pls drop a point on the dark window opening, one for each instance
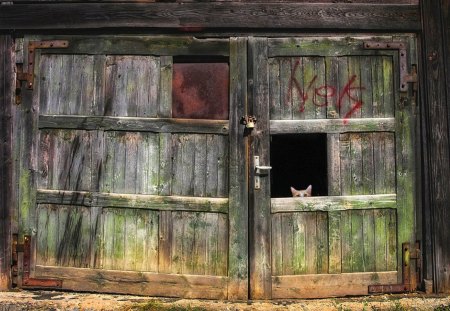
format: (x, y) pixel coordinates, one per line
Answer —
(200, 88)
(298, 160)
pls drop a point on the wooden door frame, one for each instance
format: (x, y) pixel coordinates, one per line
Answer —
(6, 162)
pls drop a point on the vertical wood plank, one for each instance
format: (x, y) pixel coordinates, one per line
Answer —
(369, 240)
(334, 242)
(388, 86)
(343, 103)
(366, 83)
(42, 235)
(260, 270)
(95, 237)
(299, 244)
(319, 89)
(436, 127)
(222, 166)
(322, 242)
(356, 164)
(274, 89)
(238, 271)
(380, 240)
(178, 259)
(165, 242)
(332, 92)
(312, 242)
(357, 246)
(277, 244)
(345, 165)
(334, 164)
(297, 88)
(368, 170)
(165, 97)
(212, 159)
(286, 89)
(222, 245)
(165, 164)
(200, 166)
(287, 233)
(346, 240)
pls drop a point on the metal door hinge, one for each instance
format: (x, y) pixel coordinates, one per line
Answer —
(21, 267)
(406, 77)
(410, 279)
(28, 75)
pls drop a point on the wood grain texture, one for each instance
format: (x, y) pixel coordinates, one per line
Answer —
(436, 136)
(259, 215)
(333, 203)
(152, 284)
(157, 125)
(6, 166)
(330, 125)
(180, 203)
(326, 285)
(213, 15)
(238, 272)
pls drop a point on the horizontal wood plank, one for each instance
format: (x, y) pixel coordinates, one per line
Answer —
(328, 285)
(155, 202)
(140, 283)
(156, 125)
(143, 45)
(333, 203)
(212, 15)
(332, 125)
(331, 46)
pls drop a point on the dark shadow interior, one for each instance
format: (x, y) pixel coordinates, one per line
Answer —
(298, 160)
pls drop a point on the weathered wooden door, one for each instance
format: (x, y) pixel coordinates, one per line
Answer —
(128, 180)
(334, 113)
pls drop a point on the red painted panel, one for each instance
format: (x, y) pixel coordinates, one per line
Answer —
(200, 90)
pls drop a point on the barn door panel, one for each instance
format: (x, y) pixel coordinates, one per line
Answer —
(330, 113)
(137, 198)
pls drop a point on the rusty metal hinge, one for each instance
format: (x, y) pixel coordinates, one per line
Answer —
(21, 266)
(28, 76)
(406, 77)
(409, 280)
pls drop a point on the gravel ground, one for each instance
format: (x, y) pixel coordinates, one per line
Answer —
(54, 300)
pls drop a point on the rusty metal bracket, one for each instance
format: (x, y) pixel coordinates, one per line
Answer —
(405, 76)
(28, 76)
(21, 263)
(409, 281)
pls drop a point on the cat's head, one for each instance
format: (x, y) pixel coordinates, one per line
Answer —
(302, 193)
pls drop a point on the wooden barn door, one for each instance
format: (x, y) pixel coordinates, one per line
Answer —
(335, 113)
(130, 166)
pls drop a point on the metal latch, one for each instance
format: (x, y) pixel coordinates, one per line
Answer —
(405, 76)
(21, 266)
(409, 280)
(260, 170)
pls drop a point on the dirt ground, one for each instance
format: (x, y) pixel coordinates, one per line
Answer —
(54, 300)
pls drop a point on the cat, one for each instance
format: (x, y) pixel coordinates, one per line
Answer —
(302, 193)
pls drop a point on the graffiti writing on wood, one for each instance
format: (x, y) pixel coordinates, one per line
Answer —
(322, 93)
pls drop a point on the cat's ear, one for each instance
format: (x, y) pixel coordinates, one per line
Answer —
(293, 191)
(309, 190)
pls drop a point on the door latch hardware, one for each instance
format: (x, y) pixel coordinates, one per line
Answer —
(32, 46)
(409, 280)
(248, 121)
(21, 259)
(260, 170)
(405, 76)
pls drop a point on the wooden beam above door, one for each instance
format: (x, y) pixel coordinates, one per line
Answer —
(217, 15)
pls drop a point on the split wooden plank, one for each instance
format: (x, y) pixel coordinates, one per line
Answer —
(152, 284)
(155, 202)
(157, 125)
(278, 127)
(326, 285)
(333, 203)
